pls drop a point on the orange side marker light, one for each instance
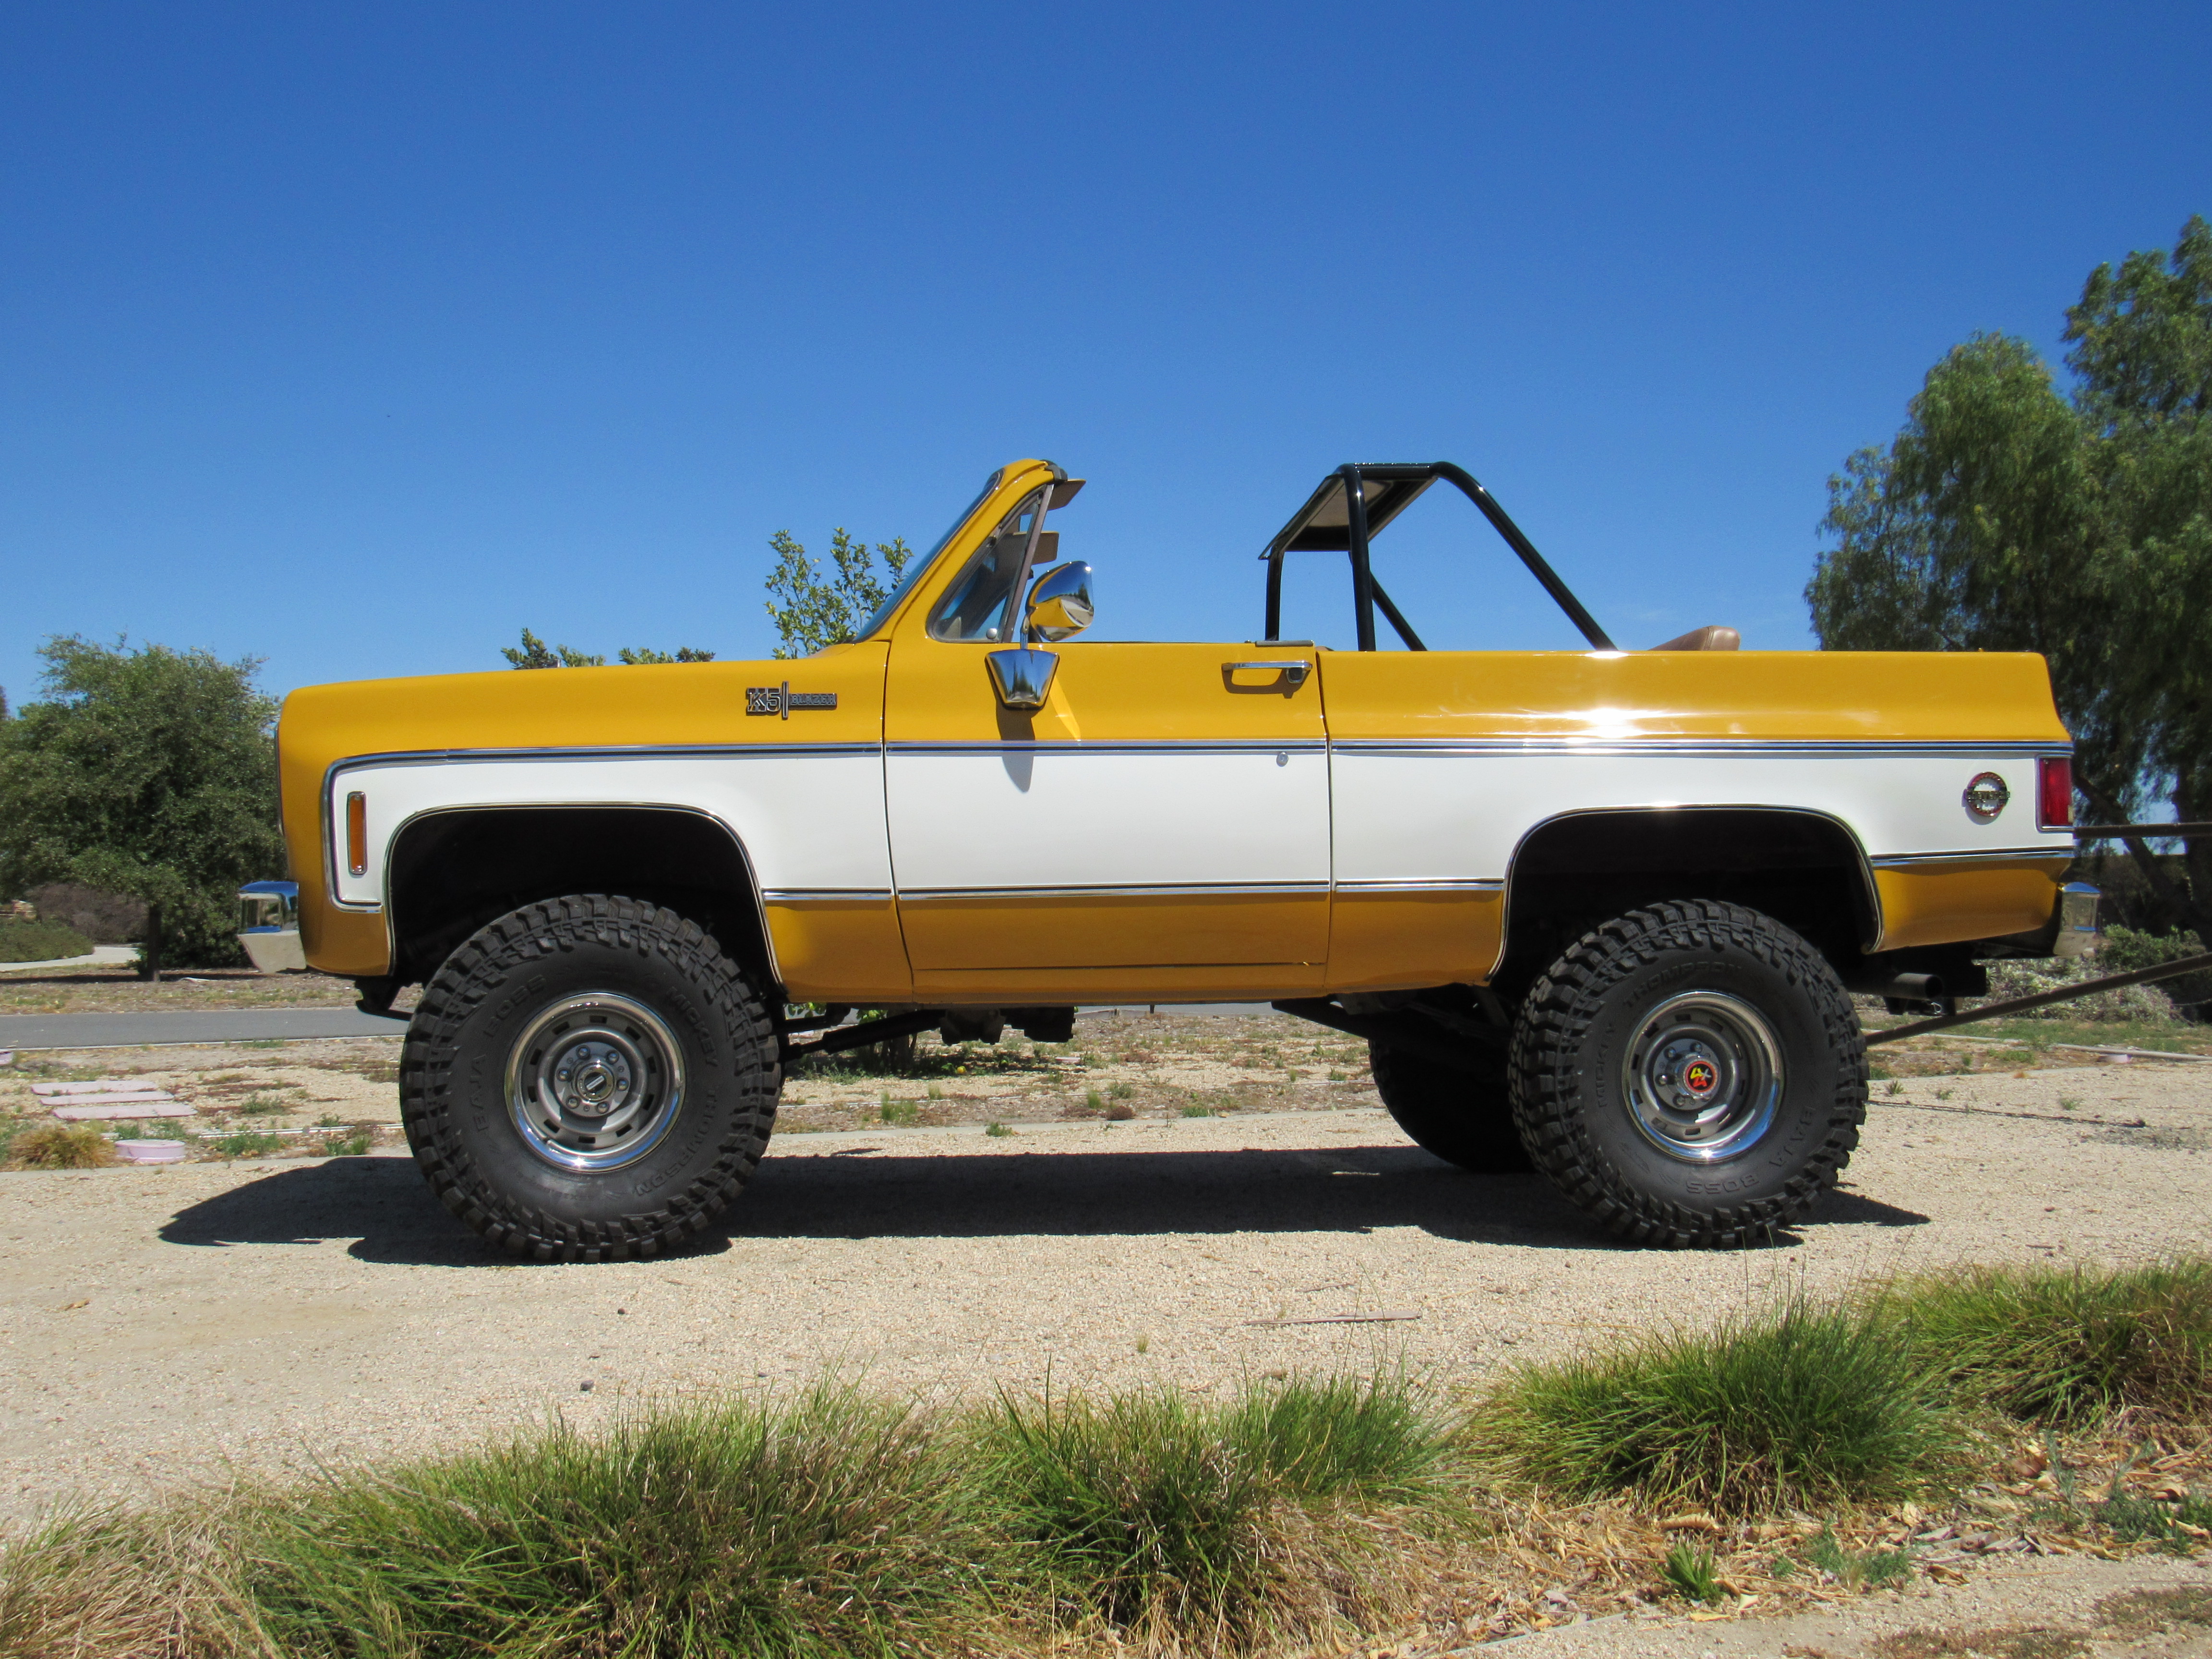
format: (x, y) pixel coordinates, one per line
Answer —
(357, 834)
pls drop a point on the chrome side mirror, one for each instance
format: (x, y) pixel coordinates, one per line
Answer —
(1059, 604)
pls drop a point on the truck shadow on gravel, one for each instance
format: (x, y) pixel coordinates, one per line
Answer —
(870, 1191)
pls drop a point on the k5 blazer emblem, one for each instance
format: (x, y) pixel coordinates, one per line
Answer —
(781, 700)
(1985, 798)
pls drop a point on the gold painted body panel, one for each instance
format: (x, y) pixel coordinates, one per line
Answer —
(658, 706)
(1395, 941)
(1022, 938)
(1782, 696)
(1938, 904)
(840, 951)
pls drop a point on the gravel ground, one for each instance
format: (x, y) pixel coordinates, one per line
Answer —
(155, 1322)
(2050, 1608)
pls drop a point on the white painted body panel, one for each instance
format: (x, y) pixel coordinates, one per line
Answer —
(928, 820)
(808, 821)
(1404, 813)
(1127, 816)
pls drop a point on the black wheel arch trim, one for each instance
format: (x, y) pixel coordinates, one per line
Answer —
(751, 897)
(1870, 920)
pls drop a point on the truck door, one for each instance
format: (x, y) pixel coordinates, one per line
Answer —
(1160, 826)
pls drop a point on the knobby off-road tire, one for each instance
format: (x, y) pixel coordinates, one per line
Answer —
(1690, 1075)
(589, 1080)
(1464, 1117)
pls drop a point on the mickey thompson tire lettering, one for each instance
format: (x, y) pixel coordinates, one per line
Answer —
(1463, 1117)
(454, 1067)
(1571, 1062)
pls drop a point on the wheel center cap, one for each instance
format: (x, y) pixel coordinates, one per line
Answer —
(1700, 1078)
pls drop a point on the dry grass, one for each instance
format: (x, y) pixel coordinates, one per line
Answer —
(60, 1146)
(1769, 1459)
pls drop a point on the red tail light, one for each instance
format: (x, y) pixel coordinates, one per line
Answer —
(2054, 792)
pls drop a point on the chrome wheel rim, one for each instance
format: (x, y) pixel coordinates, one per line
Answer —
(594, 1082)
(1703, 1076)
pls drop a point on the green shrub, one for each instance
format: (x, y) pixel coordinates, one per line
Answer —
(1169, 1517)
(1796, 1404)
(2067, 1345)
(245, 1143)
(40, 941)
(2126, 949)
(60, 1146)
(825, 1528)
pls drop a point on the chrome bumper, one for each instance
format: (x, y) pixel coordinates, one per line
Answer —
(2077, 932)
(275, 950)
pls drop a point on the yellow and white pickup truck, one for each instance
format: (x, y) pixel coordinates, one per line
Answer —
(1595, 912)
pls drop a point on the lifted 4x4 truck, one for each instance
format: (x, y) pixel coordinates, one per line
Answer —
(1595, 912)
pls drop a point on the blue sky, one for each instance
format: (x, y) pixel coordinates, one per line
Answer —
(357, 337)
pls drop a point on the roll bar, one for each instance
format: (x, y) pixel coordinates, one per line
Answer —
(1347, 512)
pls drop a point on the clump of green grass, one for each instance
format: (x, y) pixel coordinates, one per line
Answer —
(1194, 1110)
(997, 1131)
(2067, 1346)
(352, 1142)
(245, 1143)
(260, 1106)
(1169, 1518)
(1692, 1573)
(1797, 1405)
(899, 1111)
(832, 1526)
(1858, 1569)
(2167, 1521)
(105, 1580)
(60, 1146)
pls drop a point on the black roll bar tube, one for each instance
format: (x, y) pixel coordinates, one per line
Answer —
(1363, 580)
(1365, 592)
(1561, 595)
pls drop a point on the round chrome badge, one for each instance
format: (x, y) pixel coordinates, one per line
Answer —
(1985, 798)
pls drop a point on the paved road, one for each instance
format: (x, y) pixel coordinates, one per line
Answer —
(219, 1025)
(134, 1030)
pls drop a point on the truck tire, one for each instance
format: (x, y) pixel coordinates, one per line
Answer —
(1691, 1074)
(588, 1079)
(1464, 1117)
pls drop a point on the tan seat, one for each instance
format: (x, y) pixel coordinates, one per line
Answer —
(1713, 638)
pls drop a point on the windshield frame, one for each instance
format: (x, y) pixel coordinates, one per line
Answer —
(920, 566)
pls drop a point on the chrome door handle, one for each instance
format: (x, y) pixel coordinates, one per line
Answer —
(1295, 671)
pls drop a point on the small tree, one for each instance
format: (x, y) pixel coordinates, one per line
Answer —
(151, 772)
(2008, 516)
(814, 613)
(534, 653)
